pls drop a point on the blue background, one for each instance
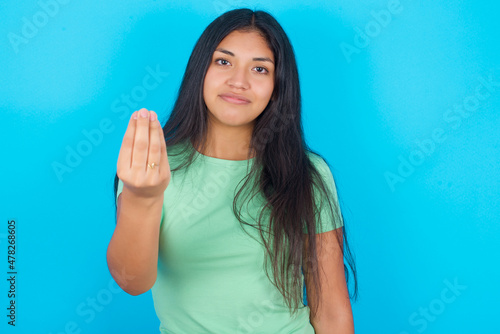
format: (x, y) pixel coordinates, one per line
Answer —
(390, 101)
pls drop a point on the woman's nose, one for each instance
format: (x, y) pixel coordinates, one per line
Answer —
(238, 78)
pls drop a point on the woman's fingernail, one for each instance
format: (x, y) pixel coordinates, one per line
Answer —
(134, 115)
(152, 116)
(144, 113)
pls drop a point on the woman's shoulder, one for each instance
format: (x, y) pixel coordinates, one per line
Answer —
(323, 168)
(318, 161)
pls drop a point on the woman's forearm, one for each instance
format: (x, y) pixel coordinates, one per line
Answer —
(335, 325)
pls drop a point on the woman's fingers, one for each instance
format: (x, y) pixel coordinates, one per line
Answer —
(125, 155)
(143, 144)
(154, 143)
(141, 141)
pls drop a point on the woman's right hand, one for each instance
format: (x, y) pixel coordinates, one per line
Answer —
(143, 144)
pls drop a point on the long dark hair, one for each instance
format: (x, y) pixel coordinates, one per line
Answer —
(282, 171)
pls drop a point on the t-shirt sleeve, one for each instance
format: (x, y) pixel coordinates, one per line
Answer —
(325, 220)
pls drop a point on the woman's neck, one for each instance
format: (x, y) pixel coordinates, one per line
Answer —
(231, 144)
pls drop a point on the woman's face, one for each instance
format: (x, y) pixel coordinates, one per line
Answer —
(242, 66)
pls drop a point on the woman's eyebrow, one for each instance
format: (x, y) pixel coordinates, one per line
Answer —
(254, 59)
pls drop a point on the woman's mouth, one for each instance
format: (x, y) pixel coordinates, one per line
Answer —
(234, 100)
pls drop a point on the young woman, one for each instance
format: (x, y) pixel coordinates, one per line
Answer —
(239, 217)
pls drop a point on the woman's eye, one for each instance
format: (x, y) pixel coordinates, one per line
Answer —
(221, 60)
(262, 69)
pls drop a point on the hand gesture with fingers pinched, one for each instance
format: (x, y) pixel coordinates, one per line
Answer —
(142, 162)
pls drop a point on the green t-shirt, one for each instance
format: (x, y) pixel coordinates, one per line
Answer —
(211, 277)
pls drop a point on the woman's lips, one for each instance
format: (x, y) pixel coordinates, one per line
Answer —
(233, 100)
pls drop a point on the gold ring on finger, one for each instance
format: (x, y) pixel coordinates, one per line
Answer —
(153, 165)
